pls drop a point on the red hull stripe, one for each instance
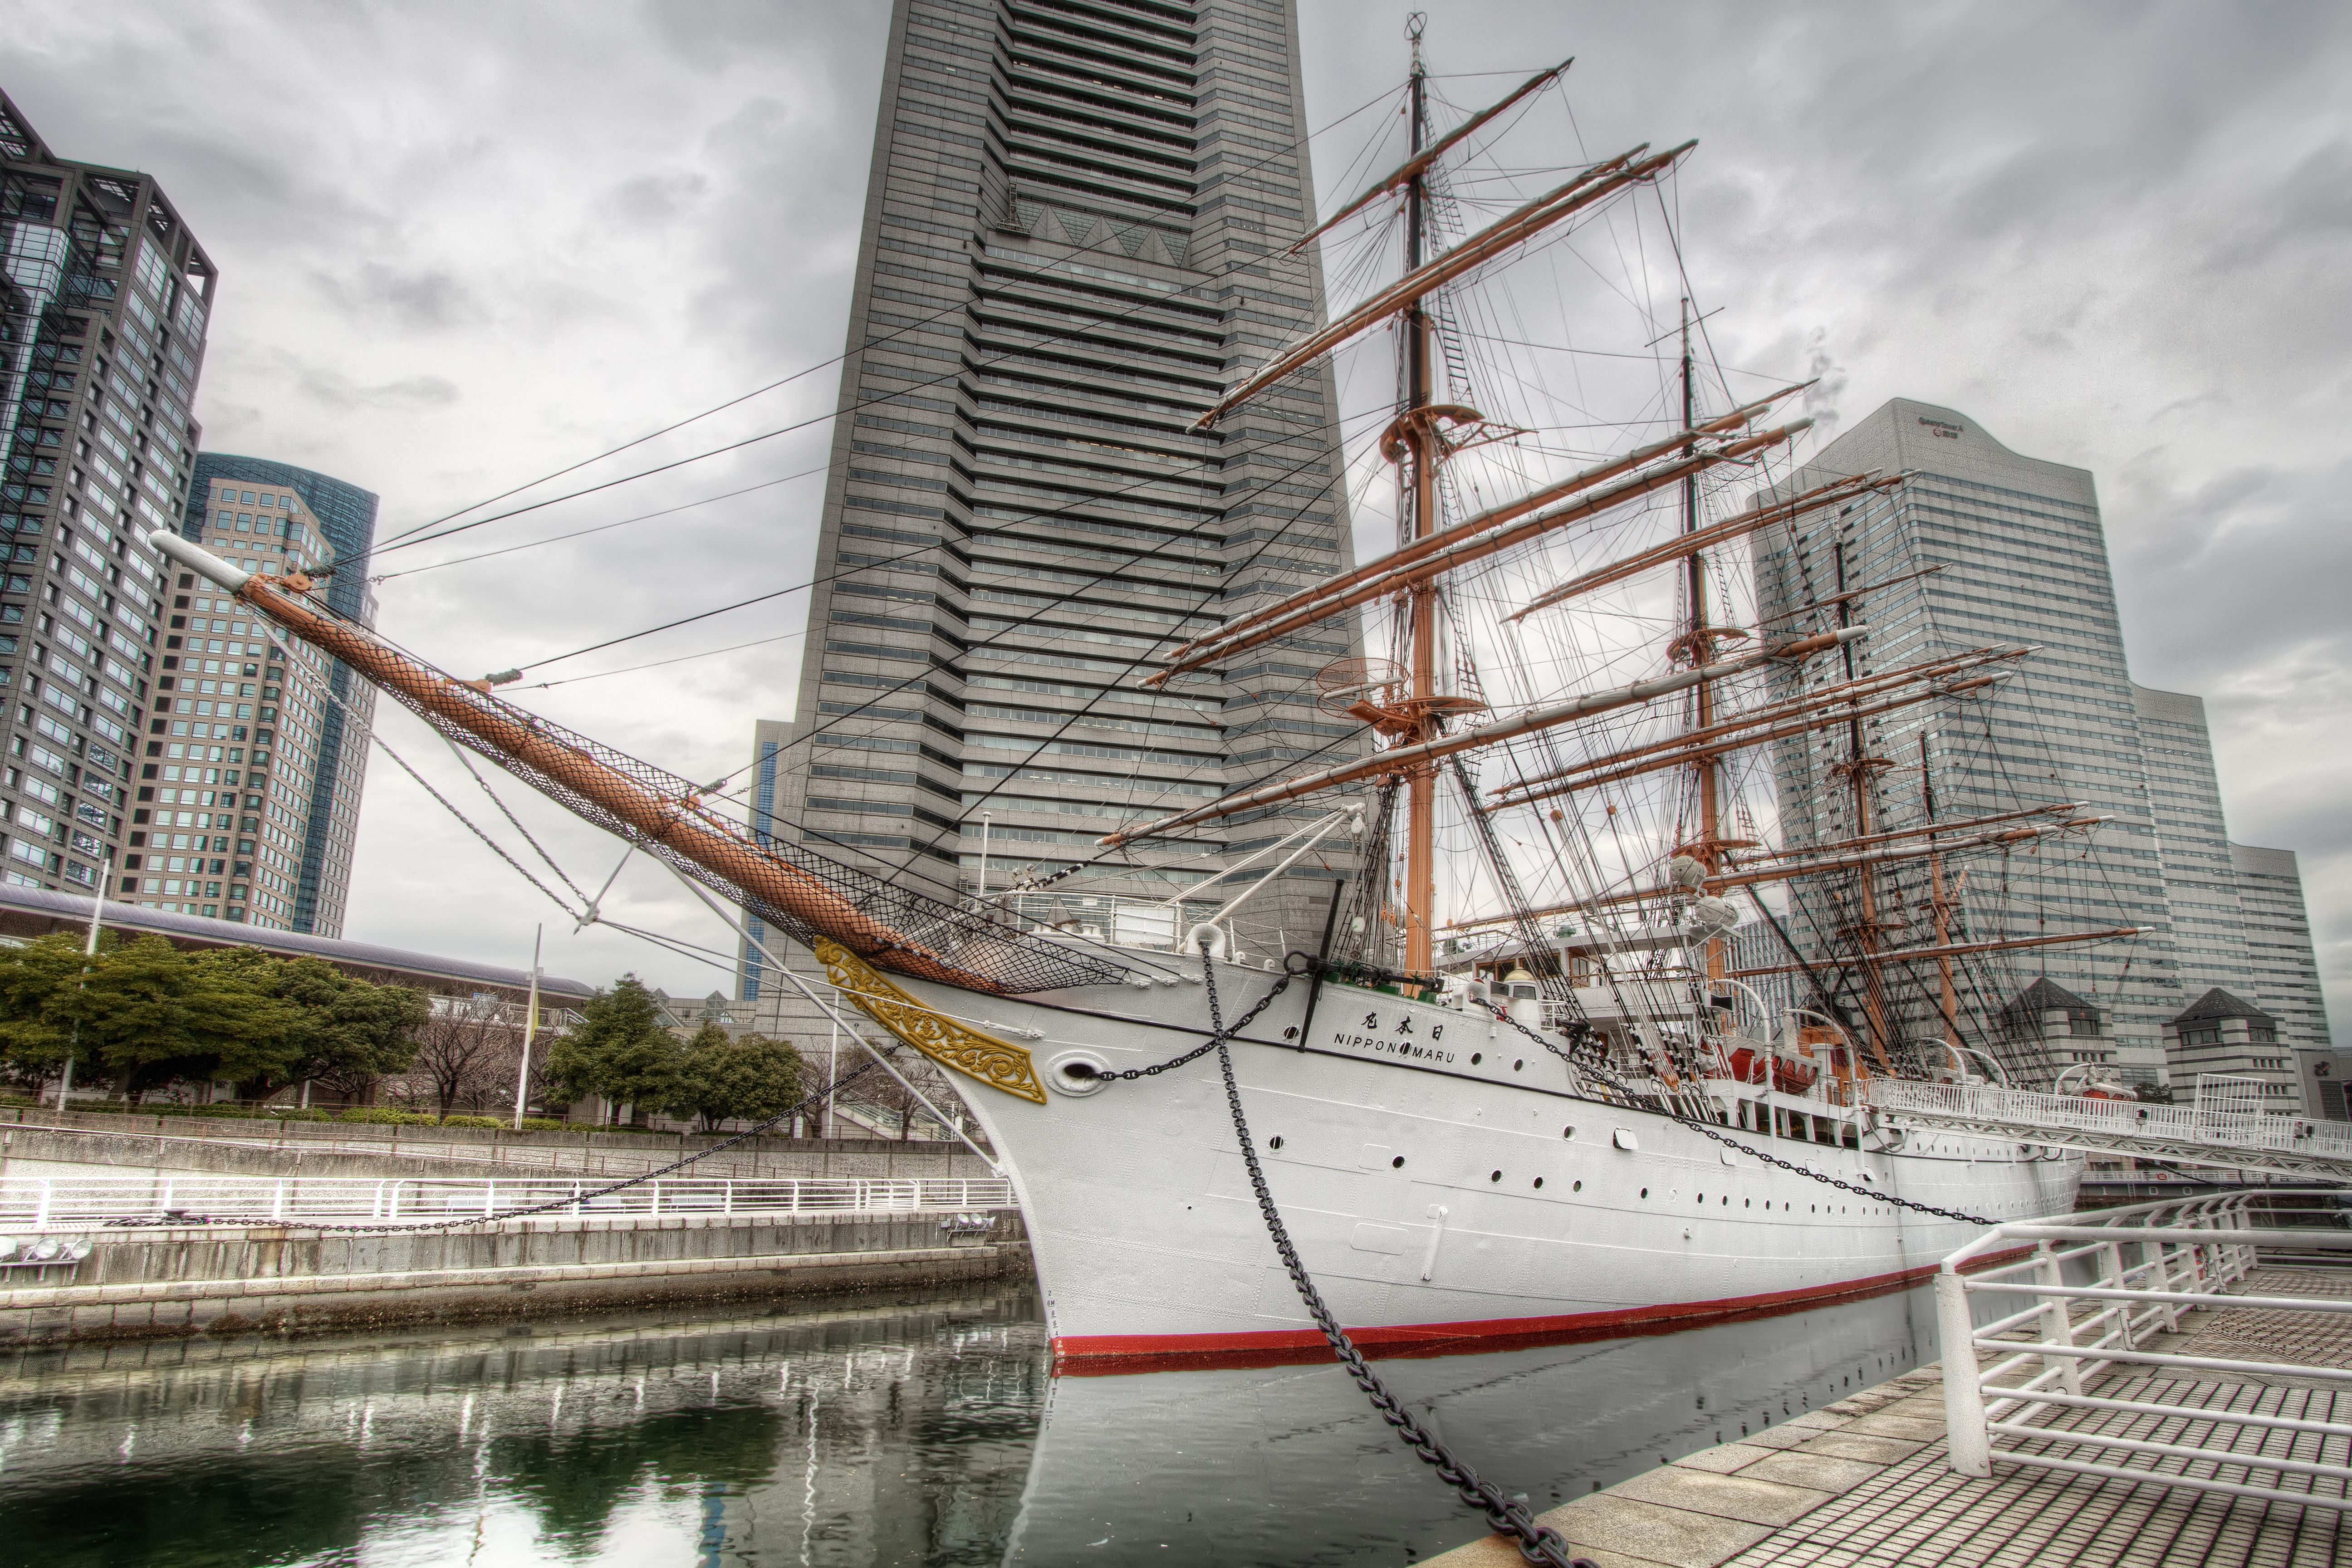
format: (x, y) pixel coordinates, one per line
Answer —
(1098, 1355)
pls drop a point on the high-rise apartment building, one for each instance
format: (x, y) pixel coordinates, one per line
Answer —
(1073, 240)
(1981, 547)
(104, 301)
(249, 795)
(323, 736)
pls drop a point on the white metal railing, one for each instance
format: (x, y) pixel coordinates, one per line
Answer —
(2148, 1266)
(2214, 1128)
(1122, 919)
(39, 1205)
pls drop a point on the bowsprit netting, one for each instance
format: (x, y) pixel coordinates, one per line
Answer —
(802, 894)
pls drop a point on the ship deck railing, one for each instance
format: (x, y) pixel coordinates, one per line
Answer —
(2215, 1130)
(37, 1205)
(2152, 1344)
(1121, 919)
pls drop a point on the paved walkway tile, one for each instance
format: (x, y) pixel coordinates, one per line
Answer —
(1807, 1466)
(1724, 1497)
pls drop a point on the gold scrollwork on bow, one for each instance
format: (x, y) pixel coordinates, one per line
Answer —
(996, 1063)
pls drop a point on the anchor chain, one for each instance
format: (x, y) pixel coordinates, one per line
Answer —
(1508, 1515)
(1216, 1038)
(1503, 1015)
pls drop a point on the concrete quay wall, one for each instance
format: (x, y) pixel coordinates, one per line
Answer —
(227, 1146)
(179, 1282)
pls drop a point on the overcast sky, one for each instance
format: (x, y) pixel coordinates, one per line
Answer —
(463, 245)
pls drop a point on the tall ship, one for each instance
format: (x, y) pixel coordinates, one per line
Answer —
(1645, 891)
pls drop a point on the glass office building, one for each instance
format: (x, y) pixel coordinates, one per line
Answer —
(323, 750)
(1982, 547)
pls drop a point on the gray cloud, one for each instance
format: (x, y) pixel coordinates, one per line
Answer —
(657, 199)
(339, 392)
(430, 300)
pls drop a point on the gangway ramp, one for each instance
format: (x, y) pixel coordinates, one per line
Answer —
(2225, 1128)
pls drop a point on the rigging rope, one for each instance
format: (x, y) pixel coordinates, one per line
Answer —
(504, 810)
(496, 848)
(406, 537)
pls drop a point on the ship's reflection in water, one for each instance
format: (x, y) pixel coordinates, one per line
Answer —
(885, 1431)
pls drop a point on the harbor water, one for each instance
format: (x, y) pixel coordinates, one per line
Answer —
(877, 1430)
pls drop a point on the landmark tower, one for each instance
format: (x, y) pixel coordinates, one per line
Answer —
(1075, 238)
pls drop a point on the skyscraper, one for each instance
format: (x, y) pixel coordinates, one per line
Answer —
(1981, 546)
(104, 301)
(327, 753)
(753, 983)
(1074, 239)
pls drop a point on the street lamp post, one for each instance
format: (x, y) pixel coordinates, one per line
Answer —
(530, 1029)
(89, 952)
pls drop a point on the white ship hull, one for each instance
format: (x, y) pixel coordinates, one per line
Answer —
(1443, 1186)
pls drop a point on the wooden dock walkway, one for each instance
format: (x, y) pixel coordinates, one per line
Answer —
(1865, 1482)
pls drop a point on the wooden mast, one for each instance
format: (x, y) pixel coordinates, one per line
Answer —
(1421, 444)
(1859, 767)
(1948, 1001)
(1699, 643)
(1707, 850)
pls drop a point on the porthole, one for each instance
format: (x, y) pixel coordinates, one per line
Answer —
(1576, 1187)
(1702, 1197)
(1567, 1131)
(1477, 1057)
(1727, 1201)
(1518, 1065)
(1397, 1163)
(1494, 1175)
(1539, 1183)
(1275, 1142)
(1645, 1191)
(1290, 1032)
(1748, 1203)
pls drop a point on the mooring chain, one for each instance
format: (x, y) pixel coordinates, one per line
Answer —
(1216, 1038)
(1502, 1015)
(1508, 1515)
(566, 1202)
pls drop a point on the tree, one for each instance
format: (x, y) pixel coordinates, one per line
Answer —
(458, 1056)
(151, 1013)
(157, 1015)
(349, 1032)
(750, 1079)
(620, 1050)
(37, 1005)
